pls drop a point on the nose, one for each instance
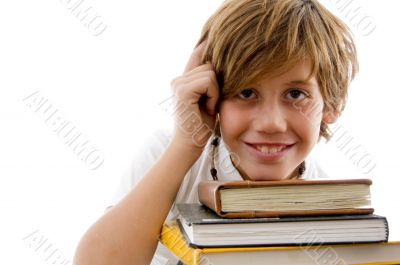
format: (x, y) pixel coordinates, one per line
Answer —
(270, 118)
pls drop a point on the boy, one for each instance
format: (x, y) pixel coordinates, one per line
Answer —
(267, 77)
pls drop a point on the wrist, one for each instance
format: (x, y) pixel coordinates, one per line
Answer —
(186, 146)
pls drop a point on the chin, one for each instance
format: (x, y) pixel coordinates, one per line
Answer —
(267, 178)
(266, 174)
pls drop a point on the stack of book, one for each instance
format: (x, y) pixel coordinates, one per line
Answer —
(328, 222)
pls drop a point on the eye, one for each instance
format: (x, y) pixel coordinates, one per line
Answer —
(295, 94)
(247, 94)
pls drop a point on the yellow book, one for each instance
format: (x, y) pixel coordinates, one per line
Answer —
(342, 254)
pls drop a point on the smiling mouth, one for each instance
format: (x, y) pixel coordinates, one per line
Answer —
(271, 149)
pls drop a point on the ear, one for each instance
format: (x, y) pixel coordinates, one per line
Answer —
(330, 117)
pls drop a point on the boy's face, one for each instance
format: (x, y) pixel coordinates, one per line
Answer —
(271, 126)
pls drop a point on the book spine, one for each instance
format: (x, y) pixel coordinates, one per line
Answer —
(209, 196)
(173, 240)
(386, 228)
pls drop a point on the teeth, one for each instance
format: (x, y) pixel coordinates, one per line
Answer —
(269, 150)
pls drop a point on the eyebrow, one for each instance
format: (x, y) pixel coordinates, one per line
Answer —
(301, 82)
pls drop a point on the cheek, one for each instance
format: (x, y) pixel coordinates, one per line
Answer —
(233, 120)
(310, 117)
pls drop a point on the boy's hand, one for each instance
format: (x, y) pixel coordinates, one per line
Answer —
(196, 93)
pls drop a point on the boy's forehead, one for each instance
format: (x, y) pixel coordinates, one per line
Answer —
(298, 73)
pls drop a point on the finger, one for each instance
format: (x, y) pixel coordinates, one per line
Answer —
(199, 72)
(212, 97)
(195, 58)
(184, 81)
(205, 86)
(202, 68)
(196, 75)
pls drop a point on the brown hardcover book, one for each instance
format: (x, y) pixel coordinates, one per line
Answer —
(250, 199)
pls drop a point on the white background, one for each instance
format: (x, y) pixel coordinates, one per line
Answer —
(110, 86)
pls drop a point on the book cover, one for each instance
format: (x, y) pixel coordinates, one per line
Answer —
(347, 254)
(203, 228)
(249, 199)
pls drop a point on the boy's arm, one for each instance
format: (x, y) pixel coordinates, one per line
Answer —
(128, 233)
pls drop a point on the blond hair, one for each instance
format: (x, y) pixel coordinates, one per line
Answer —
(248, 39)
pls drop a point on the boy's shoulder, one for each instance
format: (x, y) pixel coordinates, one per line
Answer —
(313, 169)
(154, 143)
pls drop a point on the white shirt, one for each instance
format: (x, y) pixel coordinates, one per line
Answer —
(149, 153)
